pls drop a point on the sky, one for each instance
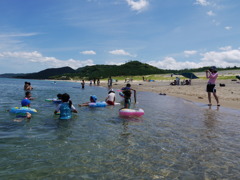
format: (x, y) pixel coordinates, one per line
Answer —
(168, 34)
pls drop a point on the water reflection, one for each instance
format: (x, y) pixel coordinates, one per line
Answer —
(210, 117)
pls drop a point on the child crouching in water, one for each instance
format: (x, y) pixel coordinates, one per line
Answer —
(66, 108)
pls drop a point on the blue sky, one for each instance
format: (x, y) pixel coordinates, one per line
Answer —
(168, 34)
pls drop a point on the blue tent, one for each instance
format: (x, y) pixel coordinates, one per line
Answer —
(189, 75)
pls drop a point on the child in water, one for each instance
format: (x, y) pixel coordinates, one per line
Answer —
(66, 108)
(93, 99)
(110, 100)
(28, 95)
(20, 116)
(127, 95)
(59, 96)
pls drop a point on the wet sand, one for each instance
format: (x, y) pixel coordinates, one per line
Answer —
(229, 96)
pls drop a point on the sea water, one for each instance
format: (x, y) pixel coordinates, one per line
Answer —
(175, 139)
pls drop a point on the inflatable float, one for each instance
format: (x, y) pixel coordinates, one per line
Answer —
(121, 94)
(56, 101)
(131, 112)
(17, 110)
(98, 104)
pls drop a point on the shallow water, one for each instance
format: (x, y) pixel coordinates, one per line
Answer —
(175, 139)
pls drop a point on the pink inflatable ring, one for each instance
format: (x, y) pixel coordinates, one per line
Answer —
(131, 112)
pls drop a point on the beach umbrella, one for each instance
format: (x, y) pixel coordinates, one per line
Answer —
(189, 75)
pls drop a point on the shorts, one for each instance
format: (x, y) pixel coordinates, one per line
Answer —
(110, 103)
(127, 103)
(211, 88)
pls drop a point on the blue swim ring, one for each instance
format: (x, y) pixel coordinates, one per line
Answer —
(98, 104)
(22, 110)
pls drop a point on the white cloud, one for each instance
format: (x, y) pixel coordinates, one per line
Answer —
(224, 58)
(25, 62)
(228, 27)
(216, 22)
(120, 52)
(211, 13)
(171, 63)
(228, 58)
(18, 35)
(91, 52)
(114, 63)
(189, 53)
(202, 2)
(139, 5)
(226, 48)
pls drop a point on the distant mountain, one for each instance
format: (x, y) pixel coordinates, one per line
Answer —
(47, 73)
(130, 68)
(11, 75)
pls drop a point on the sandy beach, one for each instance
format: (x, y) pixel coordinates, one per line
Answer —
(229, 95)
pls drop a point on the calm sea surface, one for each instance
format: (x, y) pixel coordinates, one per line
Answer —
(175, 139)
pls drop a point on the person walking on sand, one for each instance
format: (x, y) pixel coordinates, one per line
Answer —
(212, 75)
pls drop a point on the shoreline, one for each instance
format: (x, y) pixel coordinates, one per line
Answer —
(229, 95)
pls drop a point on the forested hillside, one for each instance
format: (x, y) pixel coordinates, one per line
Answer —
(131, 68)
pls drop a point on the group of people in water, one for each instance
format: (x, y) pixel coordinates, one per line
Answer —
(65, 108)
(91, 82)
(27, 86)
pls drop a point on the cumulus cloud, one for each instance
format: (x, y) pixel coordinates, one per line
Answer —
(202, 2)
(211, 13)
(227, 58)
(189, 53)
(228, 27)
(35, 61)
(139, 5)
(171, 63)
(91, 52)
(120, 52)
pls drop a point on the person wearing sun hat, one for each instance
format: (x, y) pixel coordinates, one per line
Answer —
(25, 102)
(93, 99)
(212, 75)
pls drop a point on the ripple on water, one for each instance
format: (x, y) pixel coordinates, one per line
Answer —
(175, 139)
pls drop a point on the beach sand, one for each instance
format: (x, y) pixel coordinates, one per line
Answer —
(229, 95)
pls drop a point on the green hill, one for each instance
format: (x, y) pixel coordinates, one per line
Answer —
(131, 68)
(48, 73)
